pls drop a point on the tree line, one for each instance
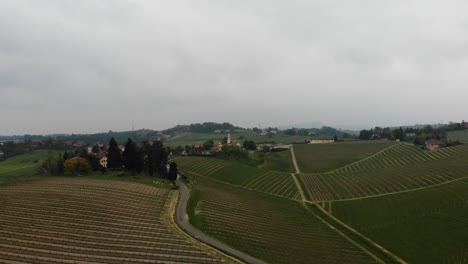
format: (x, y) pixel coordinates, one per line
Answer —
(136, 159)
(415, 134)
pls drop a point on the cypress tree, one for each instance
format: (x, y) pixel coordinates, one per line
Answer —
(130, 156)
(113, 155)
(172, 175)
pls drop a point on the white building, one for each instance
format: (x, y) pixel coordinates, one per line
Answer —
(103, 162)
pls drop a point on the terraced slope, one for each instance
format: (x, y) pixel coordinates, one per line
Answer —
(398, 169)
(271, 182)
(423, 226)
(402, 155)
(319, 158)
(79, 221)
(271, 228)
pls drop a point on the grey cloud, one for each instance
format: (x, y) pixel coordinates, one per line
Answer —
(84, 66)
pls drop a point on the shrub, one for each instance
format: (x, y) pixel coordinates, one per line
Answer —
(77, 166)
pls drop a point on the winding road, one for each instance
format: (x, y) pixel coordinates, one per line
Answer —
(182, 221)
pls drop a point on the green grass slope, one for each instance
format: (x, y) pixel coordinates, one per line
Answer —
(22, 165)
(423, 226)
(400, 168)
(278, 161)
(316, 158)
(276, 183)
(271, 228)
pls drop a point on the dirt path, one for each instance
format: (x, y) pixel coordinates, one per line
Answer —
(363, 237)
(182, 221)
(293, 155)
(299, 187)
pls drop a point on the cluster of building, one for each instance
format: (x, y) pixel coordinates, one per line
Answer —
(217, 147)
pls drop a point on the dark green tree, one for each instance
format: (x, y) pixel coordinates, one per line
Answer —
(140, 160)
(417, 141)
(130, 156)
(147, 153)
(173, 171)
(60, 165)
(178, 150)
(249, 145)
(188, 149)
(208, 145)
(160, 157)
(95, 149)
(65, 156)
(113, 155)
(94, 162)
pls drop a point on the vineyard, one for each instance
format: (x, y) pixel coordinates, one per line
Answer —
(423, 226)
(402, 155)
(318, 158)
(271, 228)
(271, 182)
(80, 220)
(397, 169)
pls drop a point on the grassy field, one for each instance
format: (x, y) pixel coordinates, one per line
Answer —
(193, 138)
(400, 168)
(82, 220)
(423, 226)
(278, 161)
(271, 182)
(271, 228)
(22, 165)
(316, 158)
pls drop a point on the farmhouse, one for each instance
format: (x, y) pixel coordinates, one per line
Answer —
(102, 157)
(321, 140)
(434, 144)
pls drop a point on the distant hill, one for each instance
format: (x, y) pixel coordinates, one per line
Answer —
(194, 133)
(137, 135)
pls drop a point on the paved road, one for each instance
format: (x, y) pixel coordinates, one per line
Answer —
(183, 222)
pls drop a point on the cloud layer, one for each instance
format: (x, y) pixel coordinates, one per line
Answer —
(86, 66)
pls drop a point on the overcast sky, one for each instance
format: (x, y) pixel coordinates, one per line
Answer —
(86, 66)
